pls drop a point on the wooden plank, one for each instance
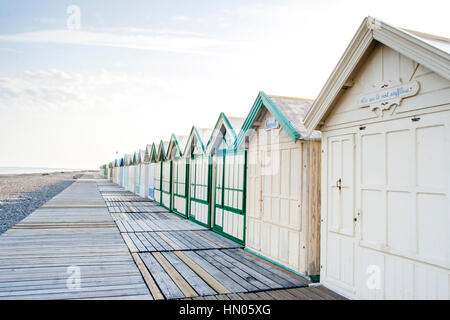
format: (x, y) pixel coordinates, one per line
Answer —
(277, 275)
(209, 279)
(229, 283)
(169, 289)
(248, 286)
(299, 293)
(145, 242)
(184, 286)
(174, 245)
(199, 285)
(137, 242)
(129, 243)
(249, 269)
(330, 293)
(152, 286)
(238, 269)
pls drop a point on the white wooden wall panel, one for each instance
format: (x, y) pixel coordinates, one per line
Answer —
(274, 181)
(151, 181)
(402, 197)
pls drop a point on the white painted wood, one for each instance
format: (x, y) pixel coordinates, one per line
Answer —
(275, 192)
(392, 225)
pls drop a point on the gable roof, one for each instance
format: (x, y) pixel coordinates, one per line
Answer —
(427, 50)
(201, 135)
(231, 125)
(288, 111)
(162, 151)
(141, 156)
(177, 142)
(127, 159)
(147, 152)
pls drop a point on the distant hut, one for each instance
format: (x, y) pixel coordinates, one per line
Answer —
(199, 176)
(228, 179)
(179, 175)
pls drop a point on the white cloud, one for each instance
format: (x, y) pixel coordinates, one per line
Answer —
(53, 90)
(133, 38)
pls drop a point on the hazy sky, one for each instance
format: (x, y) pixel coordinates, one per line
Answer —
(136, 71)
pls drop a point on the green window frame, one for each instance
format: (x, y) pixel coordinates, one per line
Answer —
(199, 178)
(180, 173)
(158, 176)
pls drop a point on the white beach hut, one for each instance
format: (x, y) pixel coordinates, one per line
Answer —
(142, 174)
(199, 176)
(385, 118)
(228, 179)
(152, 154)
(116, 170)
(159, 160)
(120, 172)
(179, 168)
(127, 163)
(283, 184)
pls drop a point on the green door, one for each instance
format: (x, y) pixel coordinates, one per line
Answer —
(230, 194)
(199, 182)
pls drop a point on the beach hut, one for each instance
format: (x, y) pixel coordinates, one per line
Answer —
(145, 171)
(137, 174)
(384, 114)
(166, 176)
(228, 179)
(127, 162)
(283, 184)
(110, 170)
(151, 154)
(159, 160)
(179, 167)
(116, 170)
(120, 172)
(103, 171)
(131, 172)
(199, 176)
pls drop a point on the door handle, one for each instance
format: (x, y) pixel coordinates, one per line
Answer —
(339, 183)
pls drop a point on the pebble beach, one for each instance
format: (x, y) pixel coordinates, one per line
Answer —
(21, 194)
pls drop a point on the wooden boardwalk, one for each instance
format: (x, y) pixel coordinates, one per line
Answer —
(72, 229)
(182, 260)
(127, 247)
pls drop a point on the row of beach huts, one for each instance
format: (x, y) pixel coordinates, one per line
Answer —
(351, 189)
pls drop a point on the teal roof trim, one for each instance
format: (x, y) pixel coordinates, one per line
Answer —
(263, 99)
(194, 130)
(161, 147)
(228, 124)
(173, 138)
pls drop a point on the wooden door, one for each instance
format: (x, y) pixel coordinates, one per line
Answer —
(338, 229)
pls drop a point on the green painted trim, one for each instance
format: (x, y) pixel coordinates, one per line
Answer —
(227, 123)
(194, 131)
(263, 99)
(208, 194)
(309, 278)
(242, 212)
(226, 235)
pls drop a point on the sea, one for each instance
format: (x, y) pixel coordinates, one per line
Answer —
(23, 170)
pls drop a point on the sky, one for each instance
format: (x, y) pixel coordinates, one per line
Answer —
(83, 82)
